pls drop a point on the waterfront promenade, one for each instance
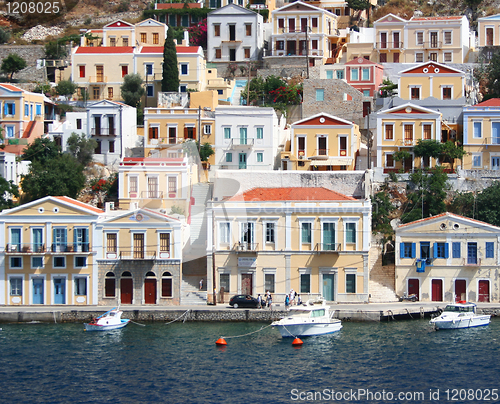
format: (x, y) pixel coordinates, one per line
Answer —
(223, 312)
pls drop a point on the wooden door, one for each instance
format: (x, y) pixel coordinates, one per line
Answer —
(126, 290)
(59, 291)
(37, 291)
(328, 287)
(484, 291)
(437, 290)
(150, 291)
(414, 287)
(460, 290)
(246, 284)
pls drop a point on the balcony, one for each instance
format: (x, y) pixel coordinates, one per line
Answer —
(293, 52)
(490, 141)
(36, 248)
(152, 195)
(137, 254)
(430, 45)
(22, 248)
(471, 262)
(103, 132)
(245, 247)
(407, 142)
(327, 247)
(98, 79)
(241, 143)
(389, 45)
(71, 247)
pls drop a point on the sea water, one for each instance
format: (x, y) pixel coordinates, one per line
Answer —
(404, 361)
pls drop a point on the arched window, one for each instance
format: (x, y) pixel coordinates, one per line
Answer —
(166, 284)
(110, 285)
(150, 273)
(126, 273)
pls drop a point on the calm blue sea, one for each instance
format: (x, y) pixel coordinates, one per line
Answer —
(180, 363)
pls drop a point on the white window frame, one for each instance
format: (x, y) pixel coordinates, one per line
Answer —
(221, 241)
(86, 277)
(274, 222)
(432, 129)
(37, 267)
(393, 124)
(311, 222)
(419, 91)
(363, 69)
(54, 262)
(351, 71)
(480, 122)
(146, 64)
(444, 37)
(393, 162)
(447, 86)
(136, 177)
(86, 261)
(351, 271)
(354, 220)
(419, 55)
(261, 154)
(448, 55)
(20, 276)
(417, 42)
(180, 69)
(207, 129)
(16, 267)
(477, 155)
(335, 221)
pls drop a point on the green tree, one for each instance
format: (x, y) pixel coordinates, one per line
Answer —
(387, 88)
(4, 35)
(66, 88)
(55, 50)
(13, 64)
(381, 213)
(81, 148)
(8, 190)
(451, 151)
(428, 196)
(41, 150)
(60, 176)
(428, 149)
(462, 204)
(132, 90)
(170, 77)
(206, 151)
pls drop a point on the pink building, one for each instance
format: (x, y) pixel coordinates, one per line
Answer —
(364, 75)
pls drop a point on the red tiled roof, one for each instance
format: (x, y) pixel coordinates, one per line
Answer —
(291, 194)
(492, 102)
(160, 6)
(105, 49)
(187, 49)
(179, 49)
(448, 214)
(79, 204)
(10, 87)
(436, 18)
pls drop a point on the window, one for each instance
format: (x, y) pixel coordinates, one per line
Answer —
(420, 38)
(229, 157)
(80, 262)
(248, 29)
(184, 69)
(16, 262)
(260, 157)
(366, 93)
(225, 232)
(37, 239)
(281, 23)
(153, 132)
(455, 249)
(111, 146)
(15, 240)
(350, 283)
(328, 236)
(38, 109)
(270, 233)
(216, 29)
(183, 89)
(314, 22)
(340, 74)
(150, 90)
(354, 74)
(80, 286)
(476, 161)
(224, 282)
(447, 37)
(389, 160)
(148, 69)
(329, 74)
(446, 93)
(407, 250)
(165, 242)
(477, 130)
(9, 108)
(111, 242)
(26, 109)
(448, 57)
(207, 129)
(227, 133)
(440, 250)
(269, 282)
(59, 239)
(153, 187)
(82, 71)
(471, 253)
(124, 70)
(172, 187)
(433, 56)
(96, 93)
(78, 124)
(419, 57)
(314, 44)
(415, 93)
(408, 129)
(125, 41)
(427, 131)
(166, 284)
(112, 41)
(185, 20)
(110, 93)
(143, 37)
(16, 286)
(383, 58)
(365, 74)
(110, 285)
(59, 262)
(37, 262)
(280, 45)
(260, 133)
(306, 231)
(305, 283)
(156, 38)
(247, 53)
(425, 249)
(490, 252)
(81, 239)
(350, 233)
(320, 94)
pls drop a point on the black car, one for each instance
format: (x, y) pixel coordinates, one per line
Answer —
(244, 301)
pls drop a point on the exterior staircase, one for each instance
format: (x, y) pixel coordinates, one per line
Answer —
(191, 296)
(382, 279)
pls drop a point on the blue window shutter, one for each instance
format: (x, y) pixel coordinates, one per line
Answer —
(446, 250)
(13, 109)
(413, 250)
(435, 252)
(401, 250)
(456, 250)
(5, 109)
(489, 250)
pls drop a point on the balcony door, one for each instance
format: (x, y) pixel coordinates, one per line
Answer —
(495, 132)
(138, 245)
(247, 235)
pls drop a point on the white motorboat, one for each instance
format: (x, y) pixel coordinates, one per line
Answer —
(460, 315)
(110, 320)
(311, 318)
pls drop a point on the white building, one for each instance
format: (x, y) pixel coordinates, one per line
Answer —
(248, 138)
(112, 124)
(11, 169)
(234, 34)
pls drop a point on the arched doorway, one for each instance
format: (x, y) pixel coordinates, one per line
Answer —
(126, 288)
(110, 285)
(150, 288)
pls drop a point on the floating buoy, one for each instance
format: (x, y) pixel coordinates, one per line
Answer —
(297, 341)
(221, 341)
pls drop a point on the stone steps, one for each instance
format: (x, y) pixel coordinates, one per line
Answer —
(192, 296)
(382, 279)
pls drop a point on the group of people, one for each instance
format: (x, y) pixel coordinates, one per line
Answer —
(291, 299)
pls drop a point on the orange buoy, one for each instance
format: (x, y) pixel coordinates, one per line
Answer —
(297, 341)
(221, 341)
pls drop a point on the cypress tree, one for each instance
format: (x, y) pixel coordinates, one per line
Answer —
(170, 78)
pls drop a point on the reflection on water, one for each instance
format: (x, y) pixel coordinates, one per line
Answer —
(180, 363)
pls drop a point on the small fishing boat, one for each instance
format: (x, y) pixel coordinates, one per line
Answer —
(312, 318)
(111, 320)
(460, 315)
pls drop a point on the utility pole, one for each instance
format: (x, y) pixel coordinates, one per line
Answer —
(248, 85)
(307, 53)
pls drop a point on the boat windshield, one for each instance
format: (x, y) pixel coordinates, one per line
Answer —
(459, 309)
(300, 313)
(318, 313)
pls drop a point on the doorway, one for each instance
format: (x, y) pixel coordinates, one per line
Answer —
(460, 290)
(414, 287)
(37, 291)
(484, 291)
(126, 290)
(329, 287)
(59, 291)
(242, 161)
(246, 284)
(437, 290)
(150, 290)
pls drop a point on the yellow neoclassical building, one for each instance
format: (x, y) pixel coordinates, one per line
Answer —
(322, 143)
(50, 247)
(313, 240)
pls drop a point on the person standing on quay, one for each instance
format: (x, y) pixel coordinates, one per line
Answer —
(287, 302)
(269, 300)
(201, 283)
(292, 297)
(259, 301)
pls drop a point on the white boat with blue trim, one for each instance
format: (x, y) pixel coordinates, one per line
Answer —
(311, 318)
(111, 320)
(460, 315)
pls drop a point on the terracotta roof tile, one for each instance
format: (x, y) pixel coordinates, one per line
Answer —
(492, 102)
(291, 194)
(445, 214)
(79, 204)
(11, 87)
(104, 49)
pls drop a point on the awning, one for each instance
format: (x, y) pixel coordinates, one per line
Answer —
(332, 162)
